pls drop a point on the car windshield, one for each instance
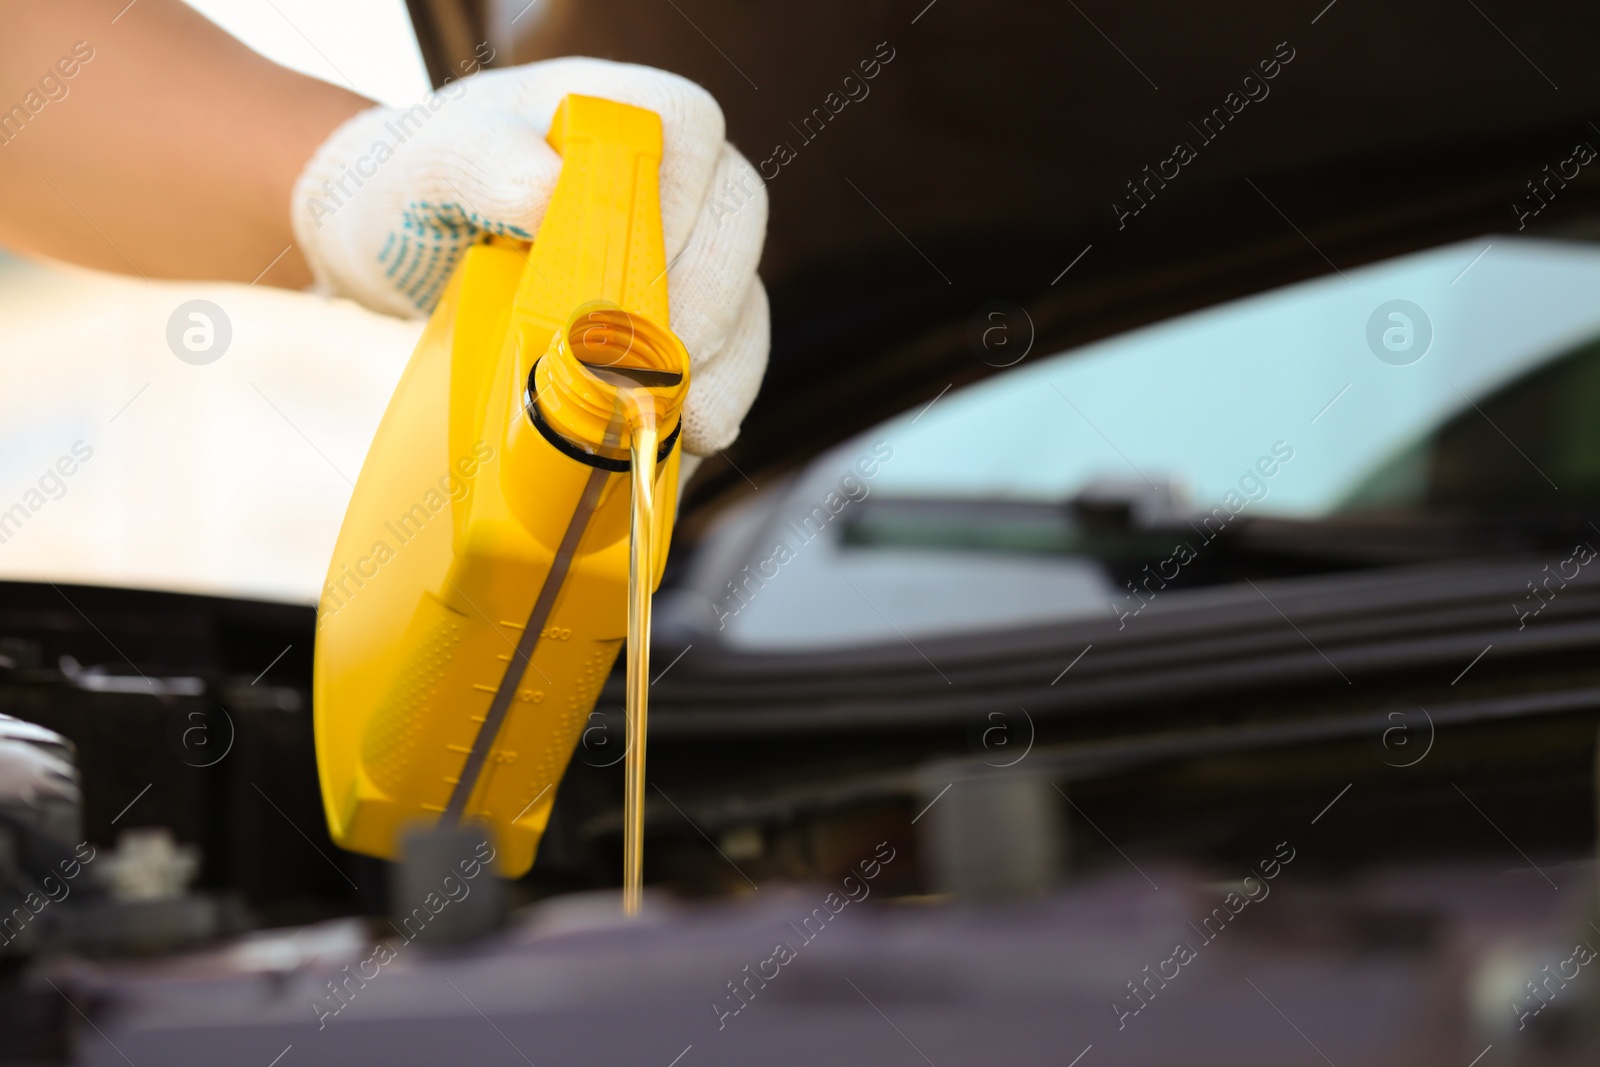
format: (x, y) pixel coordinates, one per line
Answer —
(1349, 389)
(1453, 386)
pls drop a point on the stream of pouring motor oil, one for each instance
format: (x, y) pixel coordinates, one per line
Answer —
(644, 434)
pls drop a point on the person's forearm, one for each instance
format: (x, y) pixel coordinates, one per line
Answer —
(170, 151)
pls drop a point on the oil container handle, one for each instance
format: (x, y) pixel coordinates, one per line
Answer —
(601, 237)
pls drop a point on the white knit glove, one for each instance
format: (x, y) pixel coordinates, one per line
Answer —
(390, 201)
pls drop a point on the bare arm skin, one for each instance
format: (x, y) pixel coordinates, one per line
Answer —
(170, 152)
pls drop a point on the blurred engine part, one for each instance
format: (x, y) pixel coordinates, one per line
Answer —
(989, 835)
(41, 816)
(39, 781)
(149, 865)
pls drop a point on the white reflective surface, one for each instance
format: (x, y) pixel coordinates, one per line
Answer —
(227, 478)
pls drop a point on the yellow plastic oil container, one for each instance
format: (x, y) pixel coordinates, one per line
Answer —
(478, 592)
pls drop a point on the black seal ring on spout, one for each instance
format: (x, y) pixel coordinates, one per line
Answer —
(567, 448)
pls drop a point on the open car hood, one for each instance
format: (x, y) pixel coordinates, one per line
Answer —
(1017, 153)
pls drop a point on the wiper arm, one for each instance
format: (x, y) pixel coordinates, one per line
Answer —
(1378, 538)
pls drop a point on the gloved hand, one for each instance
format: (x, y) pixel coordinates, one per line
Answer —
(386, 207)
